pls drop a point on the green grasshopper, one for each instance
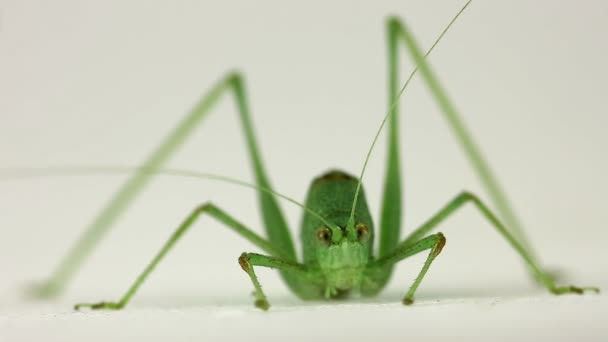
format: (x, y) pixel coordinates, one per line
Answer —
(337, 229)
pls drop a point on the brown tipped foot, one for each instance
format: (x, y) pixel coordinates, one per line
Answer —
(574, 289)
(262, 304)
(408, 301)
(100, 306)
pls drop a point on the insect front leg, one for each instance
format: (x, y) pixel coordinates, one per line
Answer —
(434, 242)
(248, 260)
(209, 209)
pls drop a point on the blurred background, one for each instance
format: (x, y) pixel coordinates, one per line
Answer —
(101, 83)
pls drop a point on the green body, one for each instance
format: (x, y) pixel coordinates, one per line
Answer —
(337, 230)
(341, 262)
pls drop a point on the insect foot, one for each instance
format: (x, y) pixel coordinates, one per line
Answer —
(262, 304)
(408, 301)
(100, 306)
(573, 289)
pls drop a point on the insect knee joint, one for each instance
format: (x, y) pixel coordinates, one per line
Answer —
(393, 23)
(205, 207)
(467, 196)
(244, 262)
(440, 243)
(235, 78)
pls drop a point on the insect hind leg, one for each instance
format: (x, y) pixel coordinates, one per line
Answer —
(275, 223)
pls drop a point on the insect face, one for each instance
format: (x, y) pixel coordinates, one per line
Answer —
(343, 262)
(334, 236)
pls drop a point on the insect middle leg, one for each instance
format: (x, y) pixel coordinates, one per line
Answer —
(416, 242)
(467, 197)
(209, 209)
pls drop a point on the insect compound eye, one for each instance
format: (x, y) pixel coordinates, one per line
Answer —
(362, 232)
(324, 235)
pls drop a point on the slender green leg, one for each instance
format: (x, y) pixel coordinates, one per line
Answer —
(390, 212)
(481, 167)
(466, 197)
(208, 209)
(248, 260)
(391, 218)
(274, 220)
(434, 242)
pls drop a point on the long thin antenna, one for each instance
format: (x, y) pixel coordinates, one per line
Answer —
(390, 110)
(24, 173)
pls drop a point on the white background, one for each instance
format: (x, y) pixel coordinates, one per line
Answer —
(99, 83)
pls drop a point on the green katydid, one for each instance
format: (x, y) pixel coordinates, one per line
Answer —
(337, 230)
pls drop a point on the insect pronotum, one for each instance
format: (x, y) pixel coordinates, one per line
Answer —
(337, 231)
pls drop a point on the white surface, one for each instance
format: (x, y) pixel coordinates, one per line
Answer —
(101, 82)
(513, 319)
